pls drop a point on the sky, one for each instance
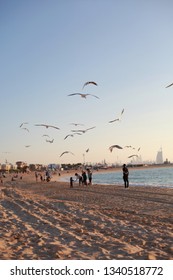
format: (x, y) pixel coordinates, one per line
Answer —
(50, 49)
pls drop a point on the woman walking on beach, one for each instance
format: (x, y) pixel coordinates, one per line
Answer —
(125, 176)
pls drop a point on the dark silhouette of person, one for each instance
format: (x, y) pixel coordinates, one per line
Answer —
(89, 176)
(71, 182)
(125, 176)
(84, 178)
(78, 177)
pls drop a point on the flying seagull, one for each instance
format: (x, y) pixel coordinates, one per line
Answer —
(83, 130)
(87, 150)
(27, 146)
(114, 146)
(23, 123)
(71, 135)
(83, 95)
(47, 125)
(133, 156)
(114, 120)
(117, 119)
(90, 82)
(169, 85)
(50, 141)
(66, 152)
(45, 135)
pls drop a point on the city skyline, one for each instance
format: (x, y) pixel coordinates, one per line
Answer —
(159, 159)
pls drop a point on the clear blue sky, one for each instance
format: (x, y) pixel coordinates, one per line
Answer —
(49, 49)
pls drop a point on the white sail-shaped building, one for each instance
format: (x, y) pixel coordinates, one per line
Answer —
(159, 157)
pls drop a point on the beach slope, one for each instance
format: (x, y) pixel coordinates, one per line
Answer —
(40, 220)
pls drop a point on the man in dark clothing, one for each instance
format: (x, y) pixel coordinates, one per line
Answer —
(125, 176)
(71, 182)
(84, 178)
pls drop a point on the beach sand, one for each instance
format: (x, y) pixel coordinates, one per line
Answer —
(40, 220)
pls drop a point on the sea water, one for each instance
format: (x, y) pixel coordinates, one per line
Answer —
(155, 177)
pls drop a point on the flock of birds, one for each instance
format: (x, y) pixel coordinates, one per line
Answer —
(82, 131)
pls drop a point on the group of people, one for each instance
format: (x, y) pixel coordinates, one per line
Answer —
(84, 179)
(46, 177)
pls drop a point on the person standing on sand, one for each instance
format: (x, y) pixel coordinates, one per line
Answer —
(71, 182)
(89, 176)
(125, 176)
(84, 178)
(36, 176)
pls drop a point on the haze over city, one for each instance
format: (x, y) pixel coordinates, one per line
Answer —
(50, 49)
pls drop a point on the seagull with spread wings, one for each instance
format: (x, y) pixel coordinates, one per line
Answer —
(90, 82)
(119, 118)
(50, 141)
(83, 130)
(133, 156)
(47, 125)
(83, 95)
(66, 152)
(72, 135)
(68, 135)
(23, 123)
(169, 85)
(114, 146)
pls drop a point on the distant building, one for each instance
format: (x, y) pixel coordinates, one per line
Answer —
(38, 167)
(21, 164)
(54, 166)
(159, 157)
(7, 166)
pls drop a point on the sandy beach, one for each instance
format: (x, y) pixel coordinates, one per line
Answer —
(50, 220)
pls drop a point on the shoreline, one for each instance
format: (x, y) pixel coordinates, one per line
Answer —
(50, 220)
(67, 174)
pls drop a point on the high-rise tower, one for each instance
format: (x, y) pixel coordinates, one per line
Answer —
(159, 157)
